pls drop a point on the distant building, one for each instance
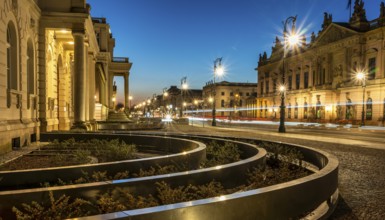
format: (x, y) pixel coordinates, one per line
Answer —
(180, 99)
(320, 77)
(57, 69)
(230, 98)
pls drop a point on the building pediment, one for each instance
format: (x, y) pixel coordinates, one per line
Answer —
(332, 34)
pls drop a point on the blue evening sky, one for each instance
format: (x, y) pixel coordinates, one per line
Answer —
(169, 39)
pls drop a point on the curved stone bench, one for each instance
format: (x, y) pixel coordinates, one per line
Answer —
(145, 185)
(183, 151)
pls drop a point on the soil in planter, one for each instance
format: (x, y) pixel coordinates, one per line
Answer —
(34, 162)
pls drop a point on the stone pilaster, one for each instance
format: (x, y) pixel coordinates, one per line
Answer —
(91, 81)
(87, 82)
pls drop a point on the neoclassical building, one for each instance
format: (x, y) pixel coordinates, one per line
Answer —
(56, 69)
(320, 75)
(230, 98)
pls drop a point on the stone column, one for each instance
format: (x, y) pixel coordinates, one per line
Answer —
(79, 81)
(110, 92)
(87, 82)
(91, 83)
(126, 93)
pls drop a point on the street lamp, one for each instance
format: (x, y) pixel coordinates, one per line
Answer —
(289, 39)
(361, 77)
(218, 70)
(184, 86)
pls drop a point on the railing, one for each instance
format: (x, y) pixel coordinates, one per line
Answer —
(99, 20)
(120, 59)
(14, 98)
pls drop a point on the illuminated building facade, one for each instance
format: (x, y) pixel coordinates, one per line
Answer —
(230, 98)
(56, 69)
(321, 75)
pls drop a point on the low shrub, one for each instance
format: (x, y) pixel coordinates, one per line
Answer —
(61, 208)
(218, 154)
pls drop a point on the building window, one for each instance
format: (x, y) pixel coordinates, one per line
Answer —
(306, 80)
(262, 83)
(383, 112)
(297, 81)
(231, 103)
(241, 94)
(231, 94)
(30, 72)
(240, 103)
(350, 73)
(265, 109)
(349, 109)
(11, 57)
(267, 87)
(222, 103)
(369, 109)
(305, 110)
(372, 68)
(289, 111)
(314, 78)
(296, 110)
(318, 109)
(247, 94)
(274, 85)
(289, 81)
(223, 93)
(323, 75)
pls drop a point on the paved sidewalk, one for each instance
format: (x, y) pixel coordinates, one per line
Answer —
(19, 152)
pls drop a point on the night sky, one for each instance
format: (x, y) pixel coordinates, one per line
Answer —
(169, 39)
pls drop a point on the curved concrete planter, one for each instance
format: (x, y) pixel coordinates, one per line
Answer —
(145, 185)
(183, 151)
(280, 201)
(317, 192)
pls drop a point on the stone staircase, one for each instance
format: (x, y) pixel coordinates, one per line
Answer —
(117, 117)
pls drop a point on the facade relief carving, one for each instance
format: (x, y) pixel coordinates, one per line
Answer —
(333, 34)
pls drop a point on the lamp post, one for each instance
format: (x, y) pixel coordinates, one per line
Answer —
(289, 38)
(184, 86)
(218, 70)
(165, 94)
(361, 77)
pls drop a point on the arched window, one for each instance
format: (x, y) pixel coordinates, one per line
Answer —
(30, 72)
(369, 109)
(11, 57)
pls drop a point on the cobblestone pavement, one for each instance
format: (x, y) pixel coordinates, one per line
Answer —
(361, 171)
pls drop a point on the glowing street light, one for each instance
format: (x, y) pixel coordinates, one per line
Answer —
(291, 39)
(218, 70)
(361, 76)
(184, 87)
(129, 99)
